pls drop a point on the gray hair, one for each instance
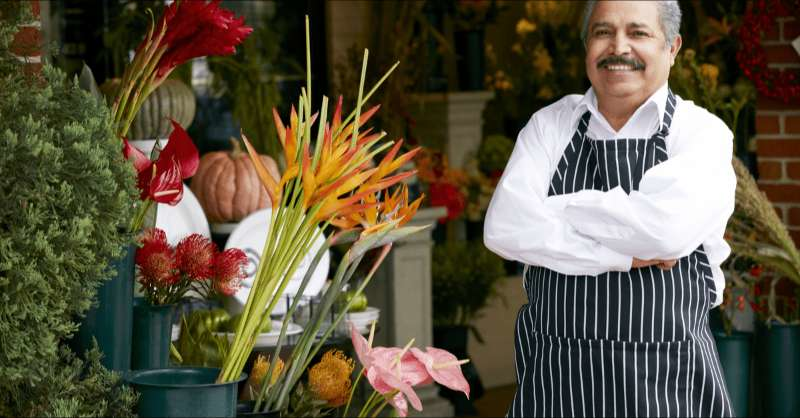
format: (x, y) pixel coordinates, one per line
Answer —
(669, 14)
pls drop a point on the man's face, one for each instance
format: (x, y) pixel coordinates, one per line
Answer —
(626, 52)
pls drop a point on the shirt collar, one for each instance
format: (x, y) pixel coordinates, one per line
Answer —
(656, 102)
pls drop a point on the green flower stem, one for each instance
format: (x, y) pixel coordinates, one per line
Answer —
(368, 404)
(141, 212)
(142, 91)
(353, 390)
(364, 100)
(380, 408)
(302, 361)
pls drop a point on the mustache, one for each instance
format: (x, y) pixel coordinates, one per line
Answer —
(621, 60)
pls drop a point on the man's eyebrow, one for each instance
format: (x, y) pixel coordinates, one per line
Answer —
(596, 25)
(638, 25)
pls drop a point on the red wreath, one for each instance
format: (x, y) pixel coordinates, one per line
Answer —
(773, 83)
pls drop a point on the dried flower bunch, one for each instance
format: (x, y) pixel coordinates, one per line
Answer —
(166, 274)
(756, 231)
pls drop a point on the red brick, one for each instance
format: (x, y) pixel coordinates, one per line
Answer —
(771, 34)
(778, 147)
(793, 170)
(766, 103)
(791, 124)
(795, 236)
(780, 54)
(35, 7)
(779, 210)
(794, 216)
(770, 170)
(768, 124)
(791, 30)
(27, 42)
(782, 192)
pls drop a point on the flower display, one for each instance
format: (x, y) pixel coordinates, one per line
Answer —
(166, 274)
(394, 372)
(330, 185)
(187, 29)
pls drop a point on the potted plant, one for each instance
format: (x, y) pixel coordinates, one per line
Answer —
(755, 231)
(166, 274)
(735, 345)
(465, 275)
(66, 189)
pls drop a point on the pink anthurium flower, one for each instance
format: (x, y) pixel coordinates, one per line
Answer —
(162, 180)
(444, 367)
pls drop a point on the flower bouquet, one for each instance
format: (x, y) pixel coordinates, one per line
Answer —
(329, 185)
(165, 275)
(186, 30)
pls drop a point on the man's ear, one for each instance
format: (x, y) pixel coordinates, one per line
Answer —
(674, 48)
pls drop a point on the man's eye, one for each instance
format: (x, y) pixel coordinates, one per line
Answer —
(640, 34)
(602, 32)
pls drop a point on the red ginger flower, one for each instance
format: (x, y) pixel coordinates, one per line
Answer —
(450, 196)
(196, 28)
(156, 260)
(229, 271)
(195, 257)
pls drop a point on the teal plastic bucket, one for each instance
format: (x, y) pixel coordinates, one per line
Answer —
(734, 355)
(110, 322)
(780, 369)
(152, 334)
(184, 392)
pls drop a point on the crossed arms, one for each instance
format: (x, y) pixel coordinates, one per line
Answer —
(680, 204)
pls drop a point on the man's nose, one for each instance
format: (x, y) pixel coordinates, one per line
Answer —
(620, 44)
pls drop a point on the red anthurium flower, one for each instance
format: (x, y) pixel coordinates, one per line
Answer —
(162, 180)
(196, 28)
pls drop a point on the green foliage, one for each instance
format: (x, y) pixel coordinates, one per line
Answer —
(248, 80)
(494, 152)
(81, 388)
(465, 275)
(66, 189)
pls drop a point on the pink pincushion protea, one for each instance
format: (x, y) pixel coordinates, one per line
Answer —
(195, 257)
(229, 271)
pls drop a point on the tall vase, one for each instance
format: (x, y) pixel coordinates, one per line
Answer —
(111, 321)
(780, 369)
(734, 355)
(471, 68)
(183, 392)
(152, 335)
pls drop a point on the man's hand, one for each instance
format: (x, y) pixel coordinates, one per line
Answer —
(662, 264)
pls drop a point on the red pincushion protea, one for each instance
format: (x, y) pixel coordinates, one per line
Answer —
(195, 257)
(229, 271)
(156, 260)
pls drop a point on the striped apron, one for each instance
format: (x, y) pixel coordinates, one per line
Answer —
(631, 343)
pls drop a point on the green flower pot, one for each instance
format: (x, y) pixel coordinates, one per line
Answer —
(245, 409)
(734, 355)
(184, 392)
(780, 369)
(110, 322)
(152, 334)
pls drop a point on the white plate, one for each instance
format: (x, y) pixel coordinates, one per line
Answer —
(250, 236)
(269, 339)
(183, 219)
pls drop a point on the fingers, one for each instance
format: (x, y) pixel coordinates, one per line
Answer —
(667, 264)
(662, 264)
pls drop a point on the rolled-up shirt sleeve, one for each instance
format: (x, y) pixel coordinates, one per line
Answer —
(518, 225)
(679, 204)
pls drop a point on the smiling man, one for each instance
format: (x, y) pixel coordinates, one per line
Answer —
(617, 201)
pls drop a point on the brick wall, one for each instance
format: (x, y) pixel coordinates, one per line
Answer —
(778, 130)
(27, 44)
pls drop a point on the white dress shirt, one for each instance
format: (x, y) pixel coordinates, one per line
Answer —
(681, 203)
